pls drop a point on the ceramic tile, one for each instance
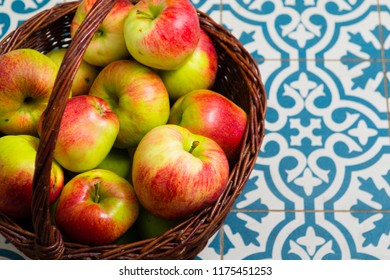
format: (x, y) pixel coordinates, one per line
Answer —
(326, 126)
(250, 27)
(13, 13)
(358, 37)
(299, 29)
(384, 2)
(306, 235)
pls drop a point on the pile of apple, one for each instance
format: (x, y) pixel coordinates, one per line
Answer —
(143, 141)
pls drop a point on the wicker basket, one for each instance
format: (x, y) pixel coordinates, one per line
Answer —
(238, 78)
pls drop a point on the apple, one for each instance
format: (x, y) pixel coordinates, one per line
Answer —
(96, 207)
(162, 34)
(108, 43)
(176, 172)
(197, 72)
(26, 81)
(17, 166)
(150, 226)
(85, 75)
(211, 114)
(118, 161)
(86, 135)
(138, 97)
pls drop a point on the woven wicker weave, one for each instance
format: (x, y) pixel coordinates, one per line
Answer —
(238, 78)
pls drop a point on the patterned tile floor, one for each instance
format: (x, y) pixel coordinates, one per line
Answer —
(321, 186)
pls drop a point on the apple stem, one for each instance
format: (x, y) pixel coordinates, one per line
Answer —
(97, 195)
(146, 15)
(194, 145)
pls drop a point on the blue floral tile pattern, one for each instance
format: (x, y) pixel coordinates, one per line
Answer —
(320, 188)
(14, 12)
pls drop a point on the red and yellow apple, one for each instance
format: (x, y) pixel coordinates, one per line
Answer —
(162, 33)
(138, 97)
(87, 133)
(176, 172)
(211, 114)
(197, 72)
(26, 81)
(108, 43)
(96, 207)
(17, 166)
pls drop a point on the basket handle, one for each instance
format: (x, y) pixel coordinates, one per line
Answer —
(48, 243)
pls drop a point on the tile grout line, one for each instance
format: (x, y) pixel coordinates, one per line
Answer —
(384, 68)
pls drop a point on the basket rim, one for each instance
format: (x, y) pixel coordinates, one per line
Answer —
(194, 232)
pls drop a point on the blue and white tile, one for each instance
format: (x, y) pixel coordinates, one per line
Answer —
(244, 235)
(14, 12)
(322, 124)
(361, 38)
(248, 21)
(291, 29)
(307, 235)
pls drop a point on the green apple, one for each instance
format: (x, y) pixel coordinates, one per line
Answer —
(108, 43)
(87, 133)
(85, 75)
(96, 207)
(17, 166)
(150, 226)
(176, 172)
(197, 72)
(26, 81)
(118, 161)
(162, 33)
(138, 97)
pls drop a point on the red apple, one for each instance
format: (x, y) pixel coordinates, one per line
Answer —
(209, 113)
(197, 72)
(26, 81)
(17, 165)
(176, 173)
(96, 207)
(138, 97)
(162, 33)
(108, 43)
(87, 133)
